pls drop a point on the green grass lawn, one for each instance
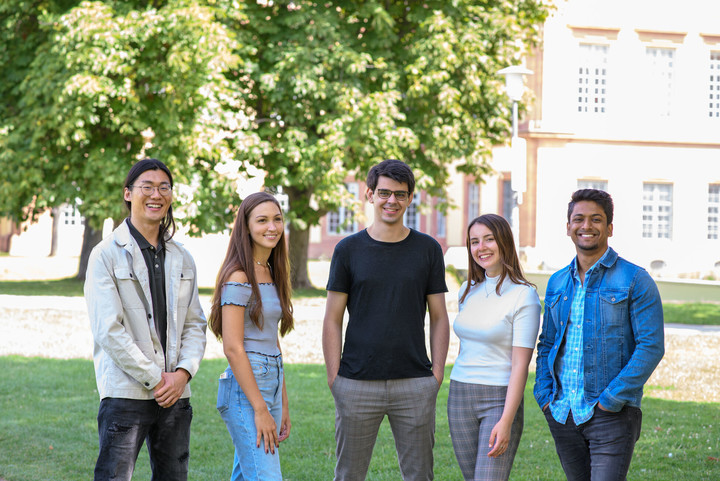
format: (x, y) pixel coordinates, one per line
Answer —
(48, 430)
(71, 287)
(692, 313)
(681, 313)
(67, 287)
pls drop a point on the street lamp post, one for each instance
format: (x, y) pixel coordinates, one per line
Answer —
(514, 88)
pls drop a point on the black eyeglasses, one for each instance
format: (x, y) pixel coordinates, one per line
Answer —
(147, 190)
(399, 194)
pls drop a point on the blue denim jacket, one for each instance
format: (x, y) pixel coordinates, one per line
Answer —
(623, 332)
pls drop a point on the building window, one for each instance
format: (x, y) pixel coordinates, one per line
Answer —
(657, 211)
(473, 201)
(280, 196)
(714, 104)
(342, 221)
(592, 79)
(713, 218)
(70, 215)
(440, 222)
(592, 184)
(660, 81)
(412, 215)
(508, 200)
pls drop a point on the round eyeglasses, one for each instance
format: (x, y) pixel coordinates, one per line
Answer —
(147, 190)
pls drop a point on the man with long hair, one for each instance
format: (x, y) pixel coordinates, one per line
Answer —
(602, 337)
(387, 276)
(149, 332)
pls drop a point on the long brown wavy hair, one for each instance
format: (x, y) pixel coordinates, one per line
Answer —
(239, 257)
(506, 246)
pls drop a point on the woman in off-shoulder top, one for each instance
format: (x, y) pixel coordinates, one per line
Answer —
(250, 305)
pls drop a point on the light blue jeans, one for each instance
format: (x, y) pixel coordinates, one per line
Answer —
(252, 463)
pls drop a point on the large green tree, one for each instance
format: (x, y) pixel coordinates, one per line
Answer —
(337, 86)
(310, 92)
(98, 85)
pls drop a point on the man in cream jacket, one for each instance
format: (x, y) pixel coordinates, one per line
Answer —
(149, 333)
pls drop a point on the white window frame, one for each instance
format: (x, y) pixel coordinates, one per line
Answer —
(280, 195)
(440, 222)
(508, 199)
(714, 85)
(592, 184)
(70, 215)
(657, 217)
(342, 222)
(411, 218)
(473, 204)
(660, 79)
(713, 212)
(592, 79)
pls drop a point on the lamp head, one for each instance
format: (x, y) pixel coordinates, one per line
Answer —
(514, 81)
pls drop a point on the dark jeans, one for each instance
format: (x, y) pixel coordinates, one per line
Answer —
(600, 449)
(123, 425)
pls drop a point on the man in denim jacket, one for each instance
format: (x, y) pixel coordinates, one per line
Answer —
(149, 333)
(602, 337)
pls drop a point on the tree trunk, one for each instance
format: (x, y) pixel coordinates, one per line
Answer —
(91, 237)
(55, 227)
(298, 247)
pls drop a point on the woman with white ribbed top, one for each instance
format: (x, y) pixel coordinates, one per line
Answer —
(497, 324)
(251, 301)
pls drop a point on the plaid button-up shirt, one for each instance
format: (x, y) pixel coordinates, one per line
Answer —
(571, 396)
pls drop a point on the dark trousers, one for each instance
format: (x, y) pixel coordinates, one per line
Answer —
(123, 425)
(600, 449)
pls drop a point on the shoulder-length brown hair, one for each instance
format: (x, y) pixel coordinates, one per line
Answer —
(508, 257)
(239, 257)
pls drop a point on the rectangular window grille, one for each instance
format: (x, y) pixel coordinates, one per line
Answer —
(70, 215)
(473, 201)
(592, 184)
(440, 223)
(508, 201)
(714, 86)
(660, 82)
(713, 218)
(412, 214)
(592, 79)
(657, 211)
(342, 221)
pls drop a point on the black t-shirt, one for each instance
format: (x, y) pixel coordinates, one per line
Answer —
(387, 285)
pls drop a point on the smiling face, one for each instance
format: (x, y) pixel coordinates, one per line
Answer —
(148, 210)
(485, 250)
(265, 223)
(589, 229)
(390, 210)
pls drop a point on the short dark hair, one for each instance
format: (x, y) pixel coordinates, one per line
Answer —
(167, 226)
(394, 169)
(600, 197)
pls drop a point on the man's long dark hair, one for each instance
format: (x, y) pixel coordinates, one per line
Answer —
(167, 225)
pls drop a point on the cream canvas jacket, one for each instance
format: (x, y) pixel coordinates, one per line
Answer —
(127, 352)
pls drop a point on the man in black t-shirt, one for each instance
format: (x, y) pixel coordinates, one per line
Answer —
(387, 276)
